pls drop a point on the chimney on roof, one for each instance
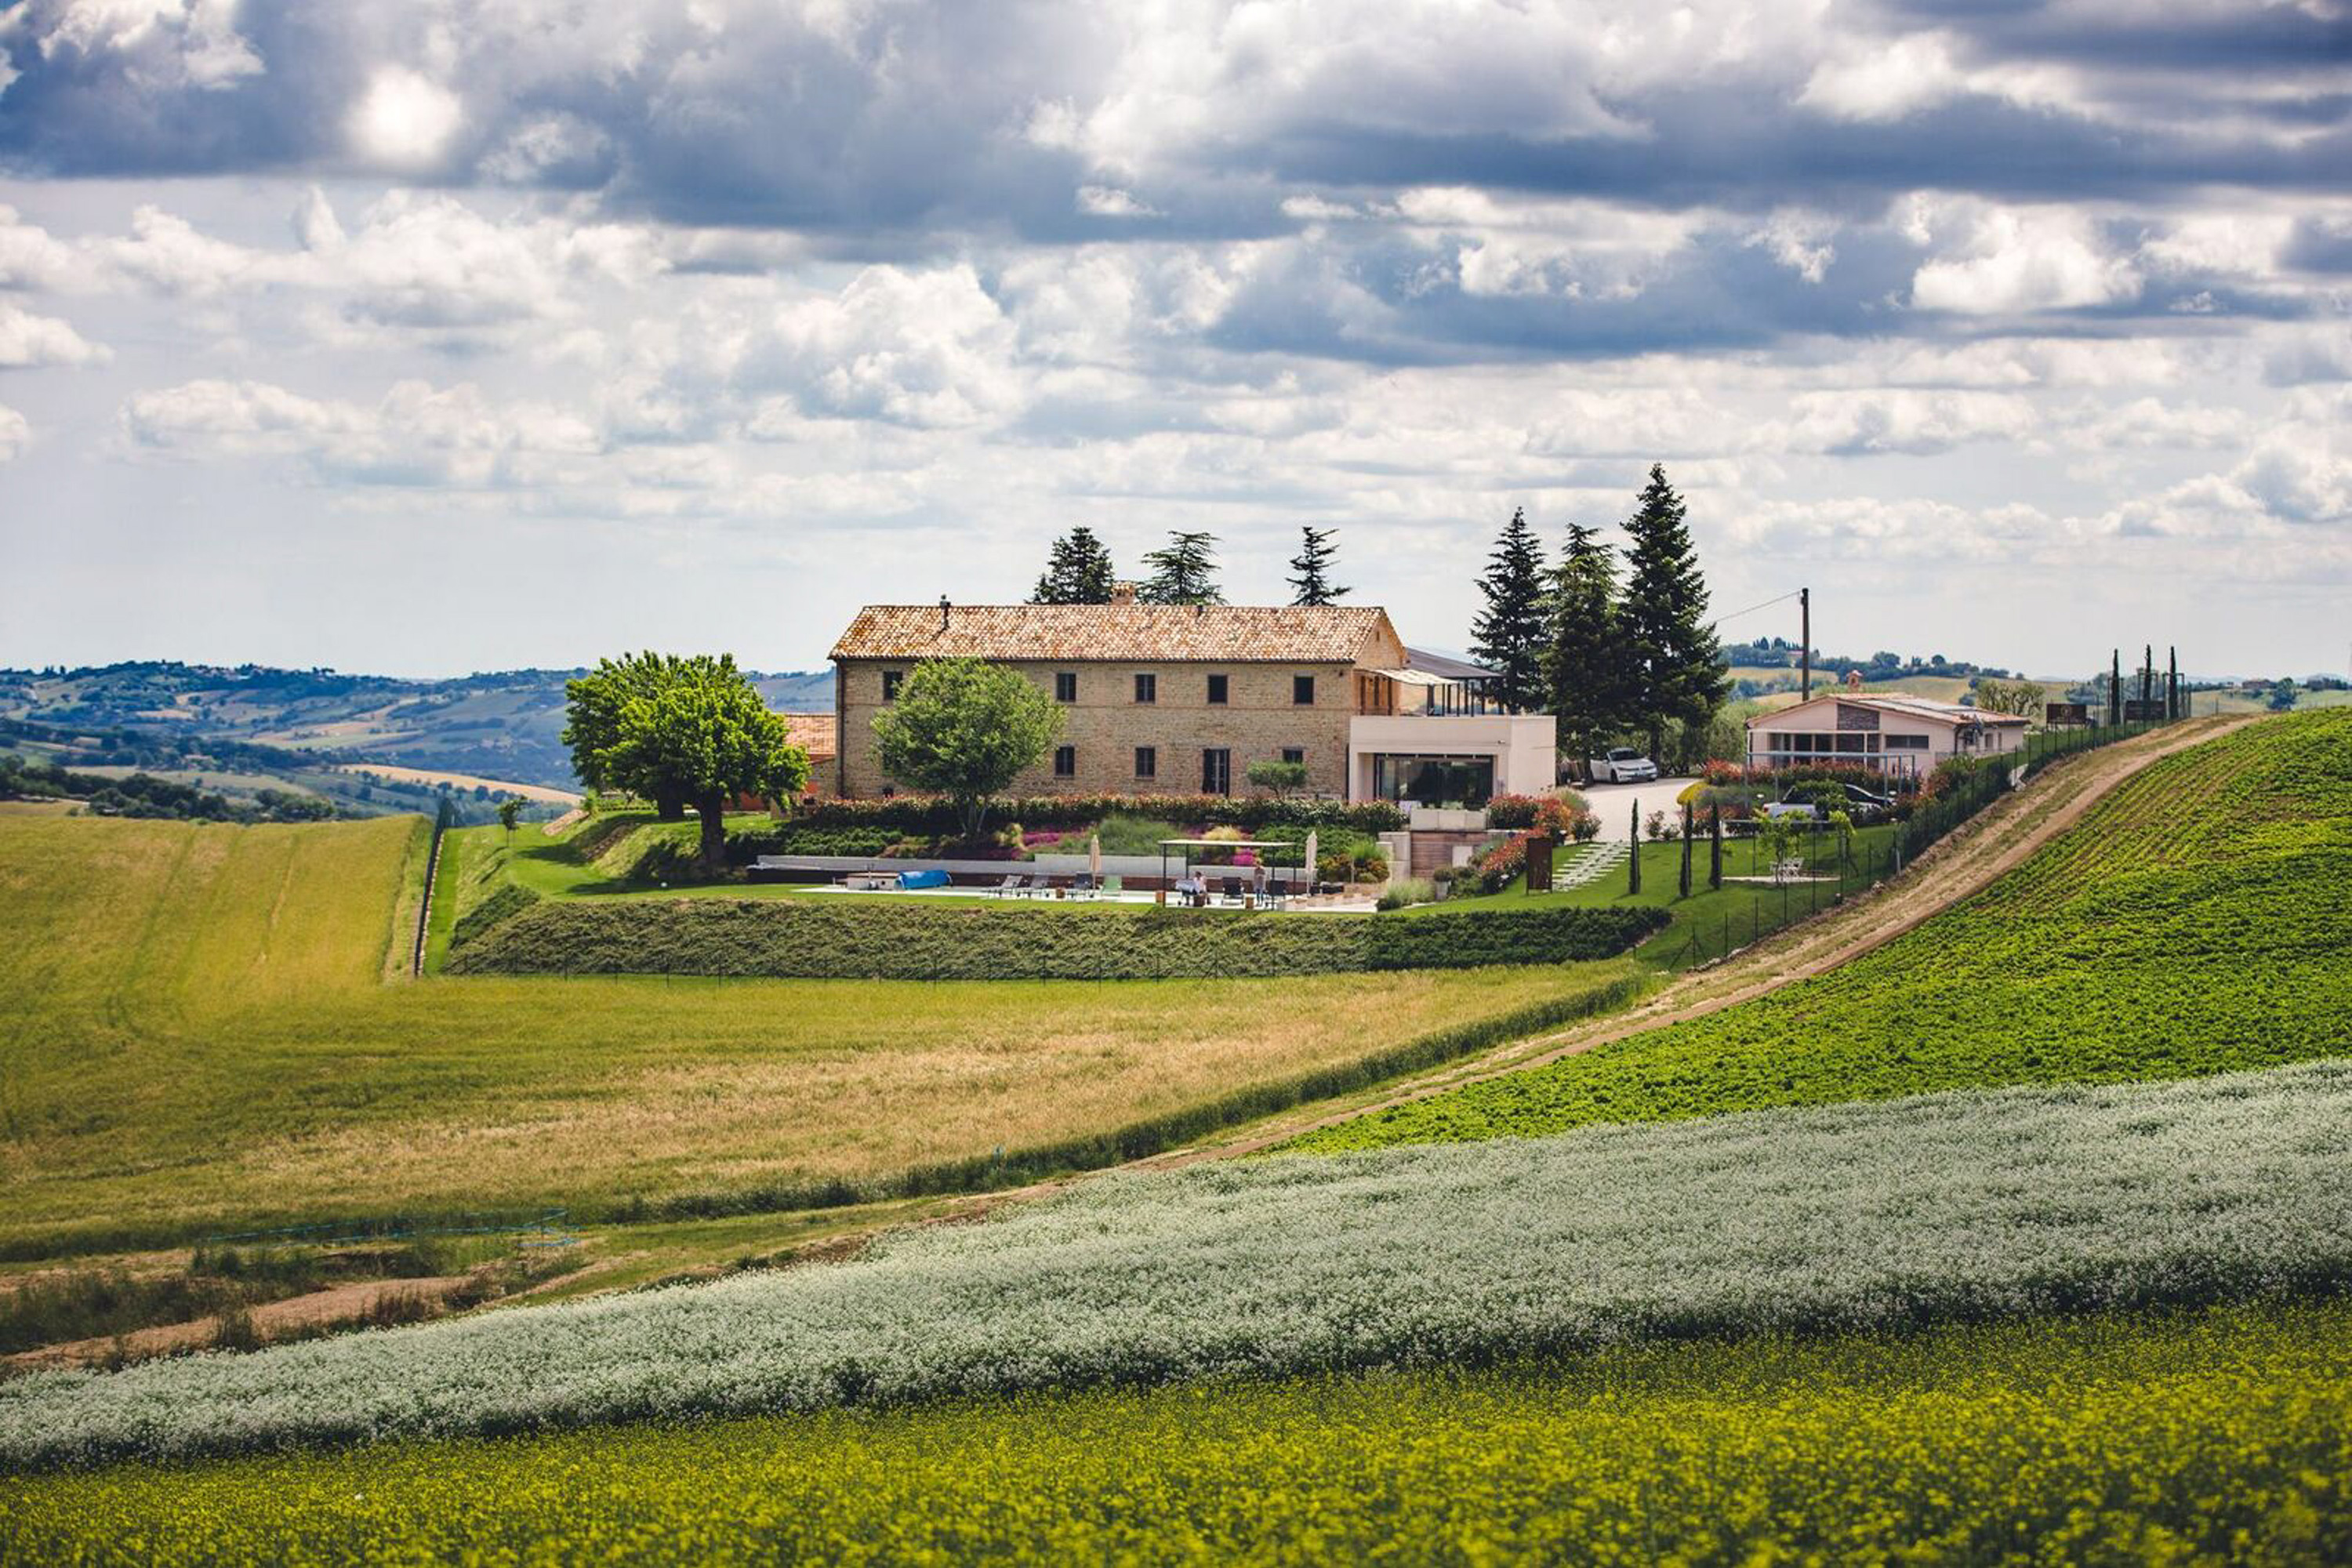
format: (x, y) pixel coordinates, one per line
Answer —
(1122, 592)
(943, 612)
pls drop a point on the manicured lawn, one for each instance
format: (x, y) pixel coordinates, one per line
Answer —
(1711, 920)
(2191, 923)
(199, 1040)
(2210, 1436)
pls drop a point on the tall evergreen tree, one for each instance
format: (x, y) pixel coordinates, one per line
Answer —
(1678, 658)
(1077, 571)
(1310, 569)
(1588, 669)
(1182, 572)
(1509, 634)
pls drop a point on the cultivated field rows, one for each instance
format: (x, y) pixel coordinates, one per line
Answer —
(1856, 1216)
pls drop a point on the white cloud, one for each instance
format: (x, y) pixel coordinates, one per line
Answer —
(415, 435)
(192, 43)
(1856, 424)
(30, 257)
(2298, 480)
(1582, 249)
(16, 435)
(2017, 260)
(405, 120)
(29, 340)
(1886, 80)
(1108, 201)
(928, 349)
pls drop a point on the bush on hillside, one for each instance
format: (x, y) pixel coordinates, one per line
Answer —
(912, 941)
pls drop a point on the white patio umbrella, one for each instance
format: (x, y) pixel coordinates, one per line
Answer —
(1094, 857)
(1313, 841)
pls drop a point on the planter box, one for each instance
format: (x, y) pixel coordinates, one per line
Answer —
(1437, 819)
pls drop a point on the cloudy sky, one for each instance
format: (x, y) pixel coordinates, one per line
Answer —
(438, 336)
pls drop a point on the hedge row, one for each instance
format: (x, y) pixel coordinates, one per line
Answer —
(933, 814)
(883, 941)
(510, 900)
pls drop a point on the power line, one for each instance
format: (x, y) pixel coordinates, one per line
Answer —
(1765, 605)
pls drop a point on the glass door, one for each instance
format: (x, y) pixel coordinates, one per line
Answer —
(1217, 771)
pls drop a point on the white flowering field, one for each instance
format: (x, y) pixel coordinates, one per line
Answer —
(1960, 1204)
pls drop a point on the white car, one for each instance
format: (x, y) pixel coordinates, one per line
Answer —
(1623, 764)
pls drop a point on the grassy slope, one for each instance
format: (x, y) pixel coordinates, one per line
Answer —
(2190, 924)
(197, 1039)
(2215, 1435)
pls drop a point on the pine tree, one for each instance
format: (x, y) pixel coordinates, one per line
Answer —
(1311, 568)
(1077, 571)
(1184, 573)
(1587, 670)
(1678, 660)
(1509, 636)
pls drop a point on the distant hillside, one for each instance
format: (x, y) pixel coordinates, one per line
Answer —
(503, 725)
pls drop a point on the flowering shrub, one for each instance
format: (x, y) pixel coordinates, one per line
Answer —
(1857, 1217)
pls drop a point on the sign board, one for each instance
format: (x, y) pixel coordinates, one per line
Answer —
(1539, 863)
(2058, 714)
(2138, 712)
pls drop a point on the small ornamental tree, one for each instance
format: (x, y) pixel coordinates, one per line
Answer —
(1310, 581)
(1634, 831)
(1715, 846)
(511, 812)
(708, 734)
(1077, 571)
(1686, 850)
(1182, 572)
(965, 729)
(1278, 778)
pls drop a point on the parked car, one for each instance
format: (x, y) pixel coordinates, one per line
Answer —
(1623, 764)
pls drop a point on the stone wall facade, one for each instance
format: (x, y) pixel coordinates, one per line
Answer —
(1105, 725)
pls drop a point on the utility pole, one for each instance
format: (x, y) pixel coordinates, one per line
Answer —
(1805, 644)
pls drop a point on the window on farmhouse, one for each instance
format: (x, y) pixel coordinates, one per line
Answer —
(1147, 687)
(890, 678)
(1065, 762)
(1302, 690)
(1217, 689)
(1294, 754)
(1065, 685)
(1146, 761)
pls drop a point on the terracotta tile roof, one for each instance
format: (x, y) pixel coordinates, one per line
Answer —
(811, 732)
(1221, 633)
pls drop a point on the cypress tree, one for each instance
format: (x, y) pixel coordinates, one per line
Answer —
(1078, 570)
(1510, 635)
(1686, 850)
(1310, 581)
(1665, 619)
(1714, 847)
(1184, 572)
(1587, 668)
(1633, 877)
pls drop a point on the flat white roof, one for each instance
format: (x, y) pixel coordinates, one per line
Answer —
(1896, 703)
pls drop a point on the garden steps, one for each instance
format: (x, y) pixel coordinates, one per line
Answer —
(1574, 868)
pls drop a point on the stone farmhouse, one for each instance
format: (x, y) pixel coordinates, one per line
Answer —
(1891, 731)
(1171, 699)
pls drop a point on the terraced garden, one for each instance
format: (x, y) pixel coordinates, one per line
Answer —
(2183, 927)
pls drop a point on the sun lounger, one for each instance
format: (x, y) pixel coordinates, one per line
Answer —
(1009, 885)
(1082, 886)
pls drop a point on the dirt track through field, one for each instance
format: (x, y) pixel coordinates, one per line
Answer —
(1967, 861)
